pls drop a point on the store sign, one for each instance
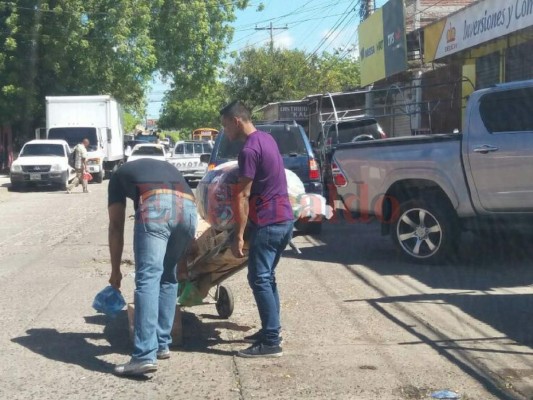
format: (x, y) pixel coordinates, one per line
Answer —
(382, 44)
(289, 112)
(474, 25)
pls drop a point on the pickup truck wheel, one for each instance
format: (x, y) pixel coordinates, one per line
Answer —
(426, 232)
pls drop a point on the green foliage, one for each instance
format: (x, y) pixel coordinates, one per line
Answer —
(259, 76)
(177, 135)
(193, 110)
(130, 122)
(75, 47)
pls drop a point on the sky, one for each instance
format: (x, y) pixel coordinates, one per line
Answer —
(313, 26)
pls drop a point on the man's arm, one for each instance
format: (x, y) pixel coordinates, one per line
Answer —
(242, 199)
(117, 216)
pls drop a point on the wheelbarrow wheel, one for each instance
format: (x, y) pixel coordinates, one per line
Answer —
(224, 302)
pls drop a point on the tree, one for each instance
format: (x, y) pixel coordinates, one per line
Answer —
(193, 110)
(259, 76)
(130, 121)
(72, 47)
(190, 37)
(337, 73)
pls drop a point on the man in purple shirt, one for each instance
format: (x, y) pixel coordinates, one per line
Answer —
(263, 205)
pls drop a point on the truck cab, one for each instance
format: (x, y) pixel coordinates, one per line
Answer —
(97, 118)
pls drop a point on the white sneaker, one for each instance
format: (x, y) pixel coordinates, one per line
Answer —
(163, 354)
(135, 368)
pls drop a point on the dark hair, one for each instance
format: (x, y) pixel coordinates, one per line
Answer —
(236, 109)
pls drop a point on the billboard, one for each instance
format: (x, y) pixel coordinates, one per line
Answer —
(382, 44)
(476, 24)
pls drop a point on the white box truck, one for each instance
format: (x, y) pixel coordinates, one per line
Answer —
(97, 118)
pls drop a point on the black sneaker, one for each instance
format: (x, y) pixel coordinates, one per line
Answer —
(256, 337)
(261, 350)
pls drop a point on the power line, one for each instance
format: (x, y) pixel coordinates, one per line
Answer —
(351, 8)
(271, 28)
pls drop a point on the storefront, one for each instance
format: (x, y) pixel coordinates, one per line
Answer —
(492, 39)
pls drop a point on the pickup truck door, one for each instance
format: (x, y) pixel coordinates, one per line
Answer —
(500, 150)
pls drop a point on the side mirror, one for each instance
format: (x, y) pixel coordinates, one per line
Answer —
(204, 158)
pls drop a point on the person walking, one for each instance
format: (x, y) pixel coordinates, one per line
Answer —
(80, 165)
(263, 208)
(165, 225)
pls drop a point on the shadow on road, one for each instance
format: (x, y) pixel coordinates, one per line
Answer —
(201, 336)
(76, 347)
(484, 263)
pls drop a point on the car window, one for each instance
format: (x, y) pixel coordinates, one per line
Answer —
(348, 131)
(32, 150)
(73, 136)
(208, 148)
(148, 151)
(189, 148)
(288, 138)
(179, 149)
(198, 149)
(516, 103)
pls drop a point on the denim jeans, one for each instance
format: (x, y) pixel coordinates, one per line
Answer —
(164, 227)
(265, 247)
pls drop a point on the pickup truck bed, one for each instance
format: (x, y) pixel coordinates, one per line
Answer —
(426, 189)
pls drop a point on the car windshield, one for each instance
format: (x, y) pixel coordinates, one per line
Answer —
(43, 149)
(148, 151)
(288, 138)
(73, 136)
(348, 131)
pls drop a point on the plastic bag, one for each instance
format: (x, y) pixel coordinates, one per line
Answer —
(109, 301)
(87, 176)
(190, 296)
(215, 194)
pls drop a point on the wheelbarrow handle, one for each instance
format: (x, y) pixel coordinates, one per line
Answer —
(294, 247)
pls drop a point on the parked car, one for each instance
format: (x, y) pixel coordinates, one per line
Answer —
(186, 158)
(297, 154)
(148, 150)
(426, 190)
(42, 162)
(351, 130)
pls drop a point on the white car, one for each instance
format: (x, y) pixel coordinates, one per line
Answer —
(148, 150)
(42, 162)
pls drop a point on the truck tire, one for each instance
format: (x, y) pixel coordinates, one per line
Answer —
(426, 231)
(99, 177)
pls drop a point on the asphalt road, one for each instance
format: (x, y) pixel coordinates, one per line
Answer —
(358, 321)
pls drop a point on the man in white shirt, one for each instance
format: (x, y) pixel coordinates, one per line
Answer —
(80, 165)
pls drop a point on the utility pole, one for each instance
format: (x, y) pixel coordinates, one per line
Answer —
(271, 28)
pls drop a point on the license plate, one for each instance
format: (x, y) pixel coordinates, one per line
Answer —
(35, 177)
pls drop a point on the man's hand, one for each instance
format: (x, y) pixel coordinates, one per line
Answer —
(115, 279)
(237, 246)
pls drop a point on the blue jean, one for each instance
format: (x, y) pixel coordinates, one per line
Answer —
(265, 247)
(164, 227)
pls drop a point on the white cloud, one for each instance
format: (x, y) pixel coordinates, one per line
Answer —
(283, 40)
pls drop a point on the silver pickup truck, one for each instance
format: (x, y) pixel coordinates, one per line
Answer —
(425, 190)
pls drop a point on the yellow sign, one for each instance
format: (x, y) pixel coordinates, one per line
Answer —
(371, 48)
(382, 43)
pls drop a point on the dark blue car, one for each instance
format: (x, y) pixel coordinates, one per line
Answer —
(297, 156)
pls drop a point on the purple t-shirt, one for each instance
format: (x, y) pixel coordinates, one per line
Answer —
(261, 161)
